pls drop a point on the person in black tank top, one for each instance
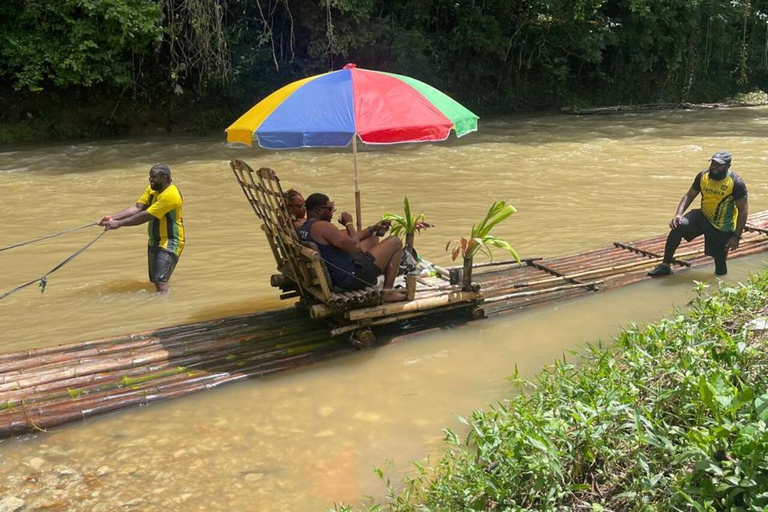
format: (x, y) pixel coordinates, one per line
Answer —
(354, 260)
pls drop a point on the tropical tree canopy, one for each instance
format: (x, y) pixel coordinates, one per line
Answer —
(491, 55)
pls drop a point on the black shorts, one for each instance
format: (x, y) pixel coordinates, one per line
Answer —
(696, 224)
(366, 272)
(161, 264)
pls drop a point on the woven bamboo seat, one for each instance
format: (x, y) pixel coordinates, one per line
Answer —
(303, 272)
(299, 262)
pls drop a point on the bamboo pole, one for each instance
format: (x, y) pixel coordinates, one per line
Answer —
(521, 263)
(635, 264)
(414, 305)
(541, 292)
(358, 206)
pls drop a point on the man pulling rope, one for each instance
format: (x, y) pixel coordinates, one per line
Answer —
(160, 206)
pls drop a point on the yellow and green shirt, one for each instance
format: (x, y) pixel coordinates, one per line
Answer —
(718, 198)
(166, 228)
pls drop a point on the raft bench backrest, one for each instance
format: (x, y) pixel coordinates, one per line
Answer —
(299, 263)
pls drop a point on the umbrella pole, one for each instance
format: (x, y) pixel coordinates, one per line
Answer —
(358, 209)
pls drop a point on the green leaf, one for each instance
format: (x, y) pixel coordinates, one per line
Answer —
(761, 406)
(744, 397)
(705, 392)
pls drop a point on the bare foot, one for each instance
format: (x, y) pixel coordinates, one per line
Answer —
(393, 296)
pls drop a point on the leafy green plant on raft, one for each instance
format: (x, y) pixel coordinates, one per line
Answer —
(481, 240)
(407, 224)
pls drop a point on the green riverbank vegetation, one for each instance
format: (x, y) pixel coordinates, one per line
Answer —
(114, 67)
(671, 417)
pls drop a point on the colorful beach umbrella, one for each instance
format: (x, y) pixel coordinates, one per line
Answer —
(334, 109)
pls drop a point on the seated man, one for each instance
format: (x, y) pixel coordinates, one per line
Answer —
(295, 204)
(354, 260)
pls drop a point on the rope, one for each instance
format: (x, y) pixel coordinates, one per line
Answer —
(44, 279)
(46, 237)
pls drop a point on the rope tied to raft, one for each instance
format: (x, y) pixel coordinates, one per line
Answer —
(44, 279)
(46, 237)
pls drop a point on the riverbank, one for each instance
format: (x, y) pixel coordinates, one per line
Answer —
(672, 417)
(77, 115)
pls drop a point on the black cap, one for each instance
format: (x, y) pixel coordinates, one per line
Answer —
(722, 157)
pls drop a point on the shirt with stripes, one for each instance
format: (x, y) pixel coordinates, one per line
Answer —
(166, 227)
(718, 198)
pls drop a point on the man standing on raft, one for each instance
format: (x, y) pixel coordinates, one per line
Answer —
(160, 205)
(721, 218)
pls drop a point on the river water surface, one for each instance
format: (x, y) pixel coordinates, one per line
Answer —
(306, 439)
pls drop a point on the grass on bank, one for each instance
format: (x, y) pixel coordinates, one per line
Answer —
(672, 417)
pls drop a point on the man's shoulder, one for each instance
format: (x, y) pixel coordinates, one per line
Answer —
(697, 179)
(320, 224)
(171, 193)
(146, 196)
(739, 187)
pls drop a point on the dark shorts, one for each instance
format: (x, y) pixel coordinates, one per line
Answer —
(161, 264)
(366, 272)
(696, 224)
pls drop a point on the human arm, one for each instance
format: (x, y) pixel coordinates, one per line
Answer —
(346, 240)
(380, 227)
(142, 203)
(743, 208)
(136, 219)
(683, 205)
(122, 214)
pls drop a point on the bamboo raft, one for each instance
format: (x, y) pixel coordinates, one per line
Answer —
(45, 387)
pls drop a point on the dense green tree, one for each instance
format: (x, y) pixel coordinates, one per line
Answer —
(74, 42)
(500, 55)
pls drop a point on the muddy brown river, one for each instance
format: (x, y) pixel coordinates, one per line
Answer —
(308, 439)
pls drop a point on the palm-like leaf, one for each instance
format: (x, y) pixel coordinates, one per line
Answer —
(498, 212)
(480, 239)
(403, 225)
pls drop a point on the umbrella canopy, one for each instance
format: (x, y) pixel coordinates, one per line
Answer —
(333, 108)
(330, 109)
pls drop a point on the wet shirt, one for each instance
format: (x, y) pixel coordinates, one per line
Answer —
(718, 198)
(341, 266)
(166, 228)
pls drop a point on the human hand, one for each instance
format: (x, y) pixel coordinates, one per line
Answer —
(103, 220)
(676, 221)
(732, 243)
(112, 224)
(382, 226)
(345, 218)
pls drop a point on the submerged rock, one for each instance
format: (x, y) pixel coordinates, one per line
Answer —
(11, 504)
(103, 470)
(35, 463)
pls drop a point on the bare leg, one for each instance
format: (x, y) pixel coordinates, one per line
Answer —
(388, 254)
(162, 288)
(367, 244)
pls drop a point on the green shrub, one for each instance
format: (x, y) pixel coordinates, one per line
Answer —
(672, 417)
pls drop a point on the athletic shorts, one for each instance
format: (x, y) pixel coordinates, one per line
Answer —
(714, 239)
(366, 272)
(161, 264)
